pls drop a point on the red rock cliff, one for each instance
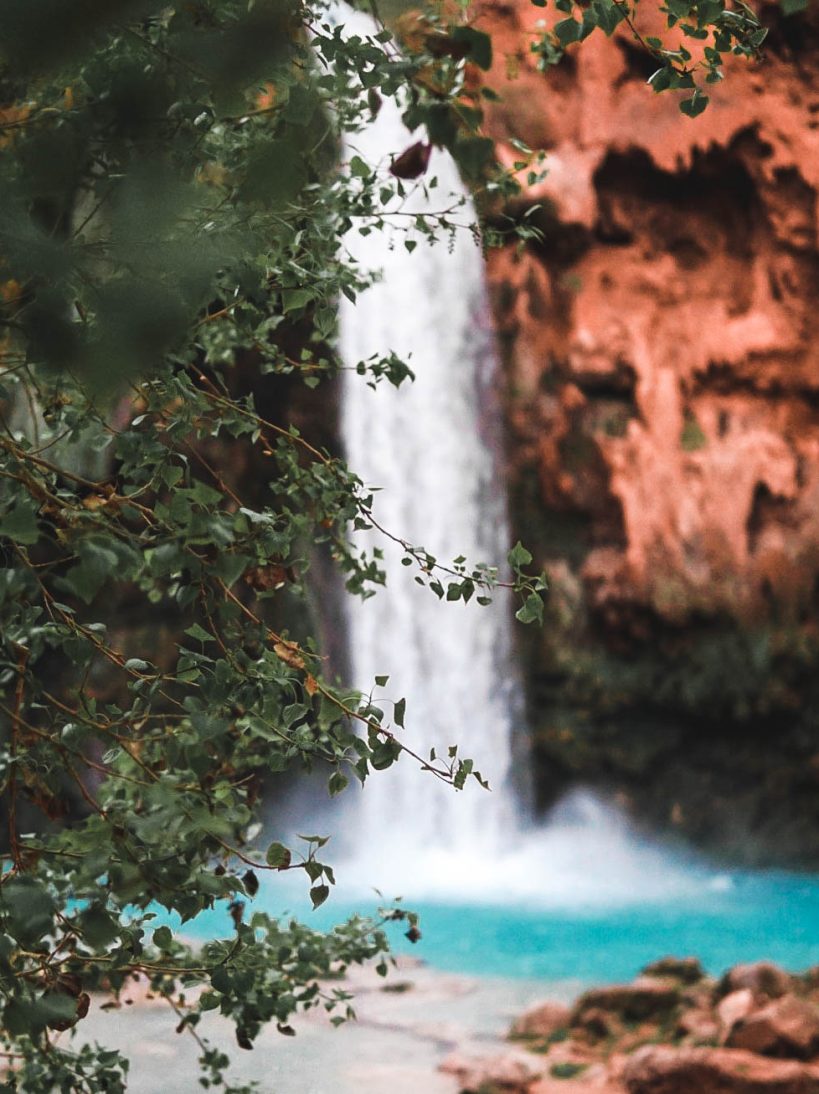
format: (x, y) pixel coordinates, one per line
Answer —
(662, 373)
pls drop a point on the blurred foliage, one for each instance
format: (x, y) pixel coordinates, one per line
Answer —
(690, 56)
(172, 217)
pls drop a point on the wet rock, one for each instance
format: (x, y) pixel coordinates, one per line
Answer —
(659, 1069)
(787, 1027)
(542, 1021)
(687, 970)
(504, 1073)
(763, 978)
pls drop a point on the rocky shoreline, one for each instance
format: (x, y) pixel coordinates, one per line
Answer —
(672, 1030)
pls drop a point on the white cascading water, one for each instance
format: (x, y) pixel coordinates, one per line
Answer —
(431, 450)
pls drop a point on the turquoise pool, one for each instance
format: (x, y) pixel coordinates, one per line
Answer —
(741, 917)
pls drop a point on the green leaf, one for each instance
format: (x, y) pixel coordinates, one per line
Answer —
(318, 894)
(163, 939)
(399, 712)
(531, 610)
(99, 562)
(136, 664)
(695, 105)
(295, 299)
(661, 79)
(519, 557)
(20, 524)
(230, 566)
(568, 31)
(97, 927)
(28, 908)
(479, 43)
(474, 155)
(359, 169)
(278, 855)
(337, 783)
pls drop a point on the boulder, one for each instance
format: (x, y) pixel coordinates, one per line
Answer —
(646, 997)
(788, 1027)
(595, 1024)
(698, 1026)
(687, 970)
(733, 1008)
(659, 1069)
(542, 1021)
(763, 978)
(504, 1073)
(577, 1086)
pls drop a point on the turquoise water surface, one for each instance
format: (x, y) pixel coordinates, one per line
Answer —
(743, 917)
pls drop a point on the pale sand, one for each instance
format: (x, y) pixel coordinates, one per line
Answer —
(395, 1047)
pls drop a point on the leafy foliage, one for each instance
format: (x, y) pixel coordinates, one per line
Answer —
(172, 218)
(701, 33)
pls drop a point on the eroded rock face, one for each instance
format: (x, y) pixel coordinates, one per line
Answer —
(662, 368)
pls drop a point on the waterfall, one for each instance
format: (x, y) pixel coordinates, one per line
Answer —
(431, 449)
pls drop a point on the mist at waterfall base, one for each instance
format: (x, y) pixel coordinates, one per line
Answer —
(582, 895)
(581, 898)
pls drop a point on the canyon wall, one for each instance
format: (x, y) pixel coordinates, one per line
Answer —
(662, 388)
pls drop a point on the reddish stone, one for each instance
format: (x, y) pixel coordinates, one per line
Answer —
(698, 1027)
(646, 997)
(580, 1085)
(505, 1073)
(659, 1069)
(687, 970)
(762, 978)
(542, 1020)
(733, 1008)
(787, 1027)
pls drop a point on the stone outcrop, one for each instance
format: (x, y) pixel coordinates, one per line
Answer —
(763, 979)
(679, 1036)
(503, 1073)
(788, 1027)
(662, 379)
(542, 1021)
(685, 970)
(657, 1069)
(647, 997)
